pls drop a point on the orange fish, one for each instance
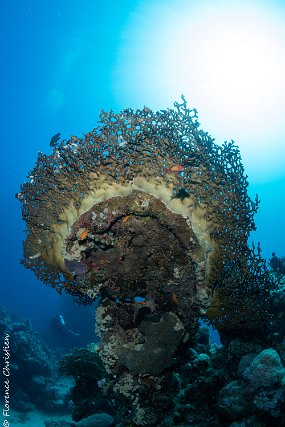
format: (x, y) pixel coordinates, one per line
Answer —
(174, 169)
(83, 235)
(126, 218)
(174, 298)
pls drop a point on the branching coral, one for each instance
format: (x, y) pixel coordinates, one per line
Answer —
(83, 363)
(242, 299)
(86, 368)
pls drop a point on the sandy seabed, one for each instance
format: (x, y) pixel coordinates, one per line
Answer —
(35, 418)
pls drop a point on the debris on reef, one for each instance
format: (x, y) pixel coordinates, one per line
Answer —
(147, 213)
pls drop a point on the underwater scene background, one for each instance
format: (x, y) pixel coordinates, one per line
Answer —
(149, 289)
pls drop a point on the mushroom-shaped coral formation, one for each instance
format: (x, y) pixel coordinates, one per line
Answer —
(145, 199)
(145, 205)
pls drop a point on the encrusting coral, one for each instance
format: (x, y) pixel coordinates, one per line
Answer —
(146, 205)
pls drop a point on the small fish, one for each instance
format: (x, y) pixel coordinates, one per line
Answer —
(177, 168)
(54, 139)
(83, 235)
(37, 255)
(126, 218)
(182, 194)
(174, 298)
(76, 267)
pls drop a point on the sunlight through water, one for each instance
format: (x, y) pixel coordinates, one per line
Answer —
(228, 60)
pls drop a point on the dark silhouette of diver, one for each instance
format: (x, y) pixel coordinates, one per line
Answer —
(58, 324)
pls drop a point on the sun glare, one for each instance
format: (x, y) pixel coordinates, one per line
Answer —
(227, 58)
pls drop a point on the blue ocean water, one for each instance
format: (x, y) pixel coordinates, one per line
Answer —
(52, 56)
(61, 64)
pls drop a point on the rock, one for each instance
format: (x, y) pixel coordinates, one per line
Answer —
(244, 363)
(96, 420)
(232, 400)
(248, 422)
(265, 370)
(62, 423)
(270, 401)
(239, 348)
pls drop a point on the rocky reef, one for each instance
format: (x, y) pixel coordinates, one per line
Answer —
(33, 370)
(239, 384)
(152, 217)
